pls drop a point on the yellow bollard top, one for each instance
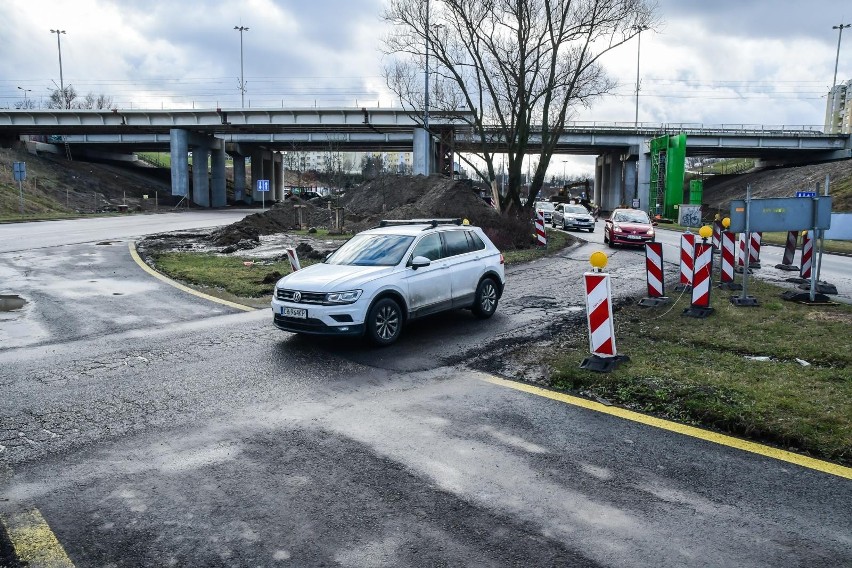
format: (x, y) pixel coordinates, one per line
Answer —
(465, 222)
(598, 260)
(705, 232)
(726, 222)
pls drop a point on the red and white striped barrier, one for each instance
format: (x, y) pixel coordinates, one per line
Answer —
(540, 234)
(717, 235)
(742, 250)
(789, 252)
(599, 314)
(294, 259)
(700, 305)
(729, 254)
(687, 249)
(754, 252)
(807, 255)
(654, 276)
(654, 269)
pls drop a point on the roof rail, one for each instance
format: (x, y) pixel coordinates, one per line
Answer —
(432, 222)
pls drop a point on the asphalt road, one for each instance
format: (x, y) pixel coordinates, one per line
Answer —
(152, 428)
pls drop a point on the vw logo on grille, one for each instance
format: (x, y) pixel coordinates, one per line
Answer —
(297, 296)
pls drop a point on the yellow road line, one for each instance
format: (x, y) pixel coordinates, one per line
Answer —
(180, 286)
(34, 542)
(722, 439)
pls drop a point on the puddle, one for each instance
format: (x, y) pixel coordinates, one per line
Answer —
(104, 243)
(10, 303)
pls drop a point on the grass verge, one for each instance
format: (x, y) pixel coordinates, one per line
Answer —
(556, 240)
(230, 274)
(701, 371)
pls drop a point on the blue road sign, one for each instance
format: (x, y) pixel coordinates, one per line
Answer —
(806, 194)
(263, 185)
(20, 171)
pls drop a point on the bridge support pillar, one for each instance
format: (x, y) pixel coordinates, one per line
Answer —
(608, 181)
(630, 187)
(218, 194)
(256, 174)
(420, 165)
(200, 177)
(178, 150)
(239, 177)
(278, 169)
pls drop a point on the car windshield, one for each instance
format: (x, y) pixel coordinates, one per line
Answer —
(577, 209)
(631, 217)
(544, 206)
(371, 250)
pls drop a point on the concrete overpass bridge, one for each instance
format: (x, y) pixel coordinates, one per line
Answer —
(622, 150)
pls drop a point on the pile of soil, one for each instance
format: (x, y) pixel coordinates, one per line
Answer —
(388, 197)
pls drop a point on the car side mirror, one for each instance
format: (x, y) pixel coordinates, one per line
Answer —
(420, 262)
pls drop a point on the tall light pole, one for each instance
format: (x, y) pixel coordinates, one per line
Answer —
(242, 29)
(428, 150)
(61, 82)
(25, 93)
(839, 29)
(639, 30)
(564, 178)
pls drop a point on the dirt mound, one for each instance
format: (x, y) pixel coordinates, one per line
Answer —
(389, 197)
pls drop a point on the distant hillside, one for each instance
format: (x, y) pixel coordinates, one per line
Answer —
(719, 190)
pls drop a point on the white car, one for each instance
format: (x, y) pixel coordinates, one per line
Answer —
(571, 216)
(388, 275)
(546, 208)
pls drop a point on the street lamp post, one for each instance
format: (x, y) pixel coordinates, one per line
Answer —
(25, 93)
(61, 81)
(639, 30)
(564, 178)
(839, 29)
(242, 29)
(428, 152)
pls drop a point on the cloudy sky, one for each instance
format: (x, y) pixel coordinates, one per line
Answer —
(712, 62)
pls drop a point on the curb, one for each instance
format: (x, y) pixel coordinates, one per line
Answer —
(136, 258)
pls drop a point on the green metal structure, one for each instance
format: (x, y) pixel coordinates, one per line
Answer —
(696, 191)
(668, 159)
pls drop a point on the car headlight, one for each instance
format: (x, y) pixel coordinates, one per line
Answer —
(616, 228)
(650, 232)
(348, 297)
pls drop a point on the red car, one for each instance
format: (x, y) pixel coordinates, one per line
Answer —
(628, 227)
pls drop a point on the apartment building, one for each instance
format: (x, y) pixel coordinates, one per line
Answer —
(838, 109)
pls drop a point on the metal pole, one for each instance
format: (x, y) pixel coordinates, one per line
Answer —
(61, 80)
(242, 77)
(21, 190)
(839, 29)
(822, 234)
(427, 163)
(638, 50)
(748, 241)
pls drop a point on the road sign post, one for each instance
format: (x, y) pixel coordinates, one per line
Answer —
(263, 187)
(20, 169)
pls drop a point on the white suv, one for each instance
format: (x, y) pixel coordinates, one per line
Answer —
(385, 276)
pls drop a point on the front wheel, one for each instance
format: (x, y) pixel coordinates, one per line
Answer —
(592, 230)
(384, 322)
(485, 299)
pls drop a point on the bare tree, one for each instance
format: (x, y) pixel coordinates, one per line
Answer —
(62, 98)
(69, 99)
(519, 67)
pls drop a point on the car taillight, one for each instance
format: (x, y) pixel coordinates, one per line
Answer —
(501, 258)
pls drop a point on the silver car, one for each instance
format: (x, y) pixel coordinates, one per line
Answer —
(570, 216)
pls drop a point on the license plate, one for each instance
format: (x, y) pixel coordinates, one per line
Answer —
(634, 237)
(299, 313)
